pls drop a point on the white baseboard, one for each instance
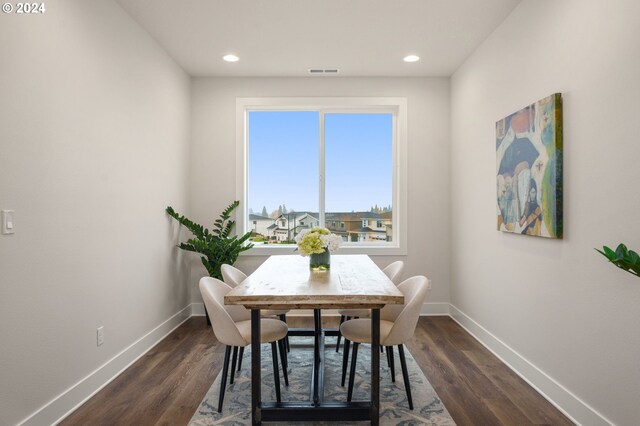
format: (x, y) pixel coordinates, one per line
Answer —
(197, 309)
(428, 309)
(68, 401)
(435, 309)
(565, 401)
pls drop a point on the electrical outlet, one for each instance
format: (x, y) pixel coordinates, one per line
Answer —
(429, 285)
(100, 335)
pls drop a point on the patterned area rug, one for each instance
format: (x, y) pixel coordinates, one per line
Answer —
(394, 409)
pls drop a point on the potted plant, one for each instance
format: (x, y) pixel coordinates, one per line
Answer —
(217, 247)
(623, 258)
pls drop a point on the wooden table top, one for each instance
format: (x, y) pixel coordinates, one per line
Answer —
(285, 282)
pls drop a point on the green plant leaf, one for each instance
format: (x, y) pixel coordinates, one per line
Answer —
(623, 258)
(217, 247)
(609, 253)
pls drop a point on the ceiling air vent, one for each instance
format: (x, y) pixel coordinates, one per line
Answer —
(323, 71)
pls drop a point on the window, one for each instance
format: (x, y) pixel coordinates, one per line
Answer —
(325, 159)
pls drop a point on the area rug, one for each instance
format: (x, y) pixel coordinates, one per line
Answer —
(394, 409)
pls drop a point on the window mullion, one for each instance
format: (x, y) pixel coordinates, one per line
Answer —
(321, 167)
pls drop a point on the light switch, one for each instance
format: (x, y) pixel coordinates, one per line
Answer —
(8, 222)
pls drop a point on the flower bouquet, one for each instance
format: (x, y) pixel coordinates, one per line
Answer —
(318, 243)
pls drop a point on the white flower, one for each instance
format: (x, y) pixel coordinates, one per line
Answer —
(314, 240)
(332, 242)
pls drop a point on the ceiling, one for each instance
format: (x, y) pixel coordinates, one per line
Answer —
(287, 37)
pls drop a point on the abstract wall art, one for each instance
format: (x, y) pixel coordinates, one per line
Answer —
(529, 169)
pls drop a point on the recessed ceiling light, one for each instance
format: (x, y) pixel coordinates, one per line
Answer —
(231, 58)
(411, 58)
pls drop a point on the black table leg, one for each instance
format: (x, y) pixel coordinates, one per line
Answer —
(317, 387)
(316, 409)
(375, 367)
(256, 409)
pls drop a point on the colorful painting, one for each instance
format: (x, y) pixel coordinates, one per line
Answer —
(529, 169)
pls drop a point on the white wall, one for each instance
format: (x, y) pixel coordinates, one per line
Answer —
(213, 174)
(557, 303)
(94, 134)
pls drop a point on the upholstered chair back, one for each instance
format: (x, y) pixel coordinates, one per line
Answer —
(394, 271)
(222, 316)
(232, 276)
(414, 290)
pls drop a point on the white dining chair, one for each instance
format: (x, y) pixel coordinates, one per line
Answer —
(394, 272)
(397, 325)
(233, 277)
(232, 327)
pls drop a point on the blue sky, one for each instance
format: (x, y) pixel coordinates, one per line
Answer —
(284, 157)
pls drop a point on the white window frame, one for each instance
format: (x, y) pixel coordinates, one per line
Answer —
(397, 106)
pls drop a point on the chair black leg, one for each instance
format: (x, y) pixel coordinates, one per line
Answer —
(223, 381)
(283, 360)
(276, 373)
(240, 355)
(233, 363)
(388, 359)
(206, 314)
(283, 318)
(392, 363)
(405, 376)
(282, 345)
(345, 360)
(339, 334)
(352, 373)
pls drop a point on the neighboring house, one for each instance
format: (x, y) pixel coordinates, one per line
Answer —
(259, 224)
(360, 226)
(343, 224)
(286, 226)
(373, 227)
(352, 227)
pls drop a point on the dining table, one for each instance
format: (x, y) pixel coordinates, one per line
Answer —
(286, 282)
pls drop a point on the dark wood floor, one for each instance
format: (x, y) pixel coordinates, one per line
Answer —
(166, 385)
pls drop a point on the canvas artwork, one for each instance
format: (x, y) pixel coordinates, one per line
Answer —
(529, 169)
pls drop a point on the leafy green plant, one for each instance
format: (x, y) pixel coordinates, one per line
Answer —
(217, 247)
(623, 258)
